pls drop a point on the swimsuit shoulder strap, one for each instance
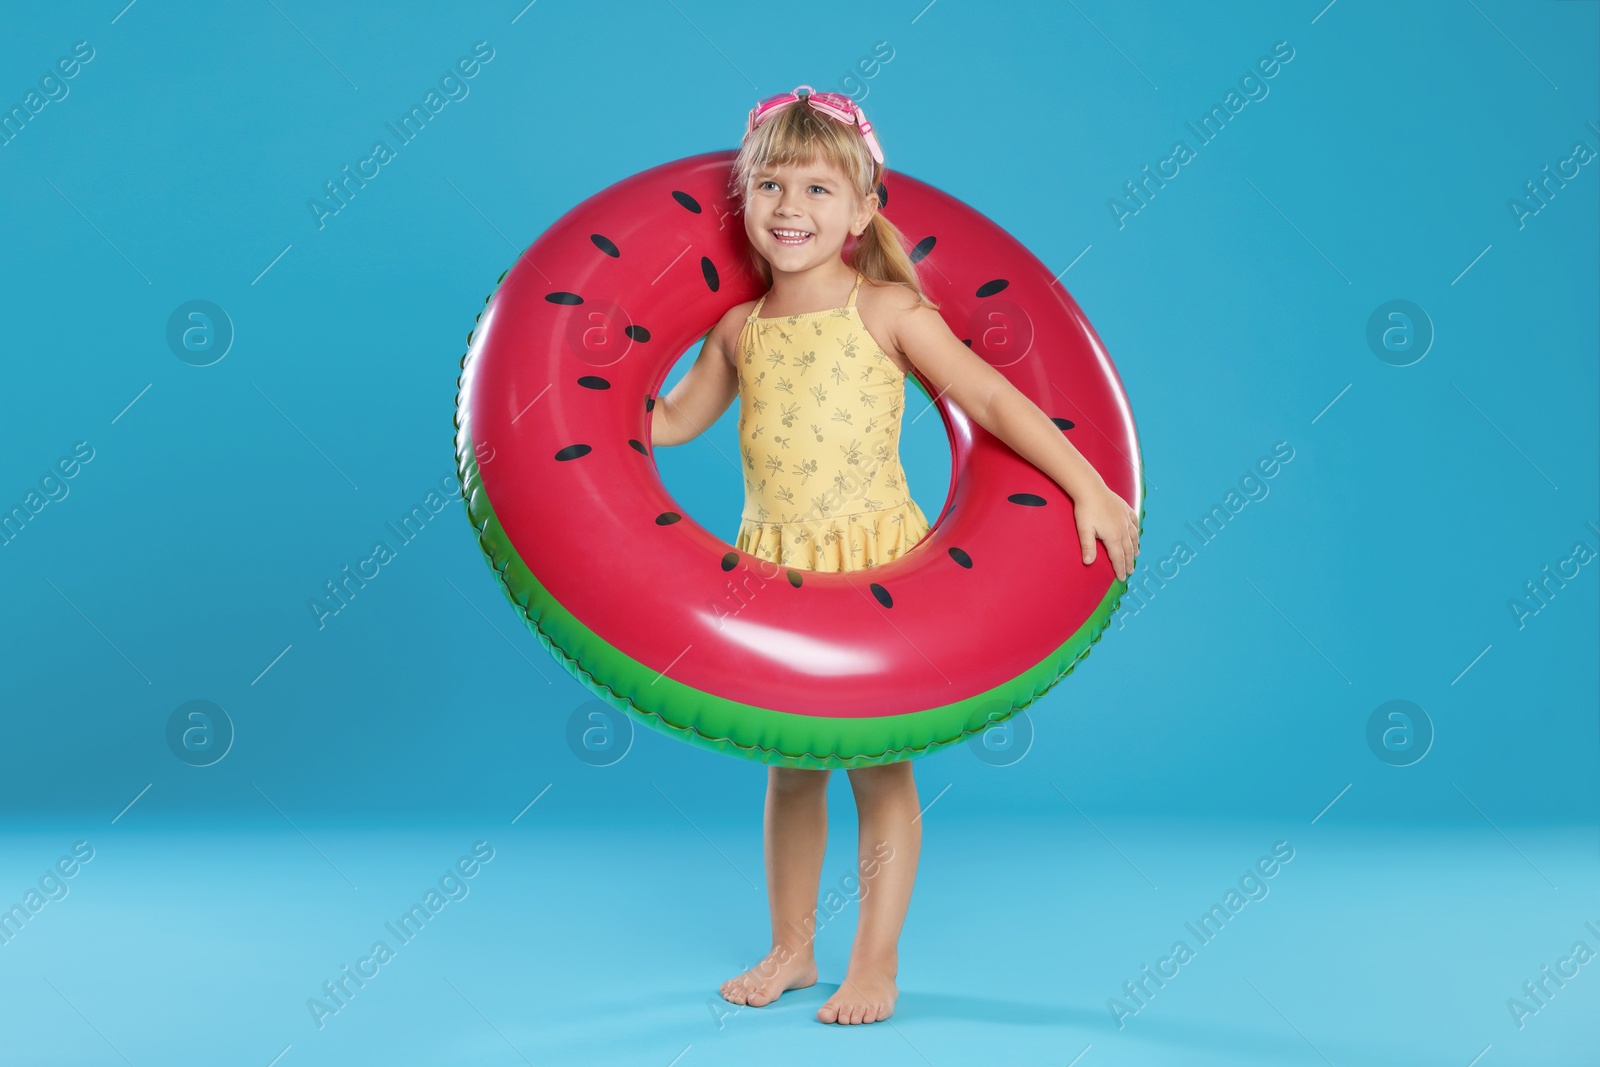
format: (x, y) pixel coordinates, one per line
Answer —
(852, 301)
(757, 309)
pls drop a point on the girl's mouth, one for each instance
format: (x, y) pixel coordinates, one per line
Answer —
(792, 238)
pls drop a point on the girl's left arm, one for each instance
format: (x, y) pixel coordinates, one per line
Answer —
(999, 407)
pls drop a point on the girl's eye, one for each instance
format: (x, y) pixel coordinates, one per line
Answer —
(820, 188)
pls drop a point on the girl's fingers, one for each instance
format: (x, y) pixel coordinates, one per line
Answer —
(1121, 546)
(1086, 543)
(1119, 563)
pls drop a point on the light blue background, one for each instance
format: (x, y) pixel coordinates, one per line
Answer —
(1235, 303)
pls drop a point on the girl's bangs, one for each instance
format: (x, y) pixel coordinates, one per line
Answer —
(796, 138)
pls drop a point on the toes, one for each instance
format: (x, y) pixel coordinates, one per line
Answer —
(828, 1013)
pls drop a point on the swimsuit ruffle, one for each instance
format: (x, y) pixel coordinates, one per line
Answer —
(842, 543)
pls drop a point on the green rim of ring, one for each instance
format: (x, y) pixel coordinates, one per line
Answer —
(779, 738)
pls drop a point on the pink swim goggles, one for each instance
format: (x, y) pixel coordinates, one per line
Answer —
(836, 106)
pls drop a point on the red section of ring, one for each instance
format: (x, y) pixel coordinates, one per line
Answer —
(593, 529)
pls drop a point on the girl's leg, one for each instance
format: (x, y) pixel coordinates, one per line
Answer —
(890, 844)
(796, 838)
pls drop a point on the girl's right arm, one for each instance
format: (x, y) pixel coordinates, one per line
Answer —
(705, 391)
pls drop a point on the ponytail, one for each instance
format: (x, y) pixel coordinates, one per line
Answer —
(880, 255)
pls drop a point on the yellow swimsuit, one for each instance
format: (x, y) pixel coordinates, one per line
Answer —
(819, 430)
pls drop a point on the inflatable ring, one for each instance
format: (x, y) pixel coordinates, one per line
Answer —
(671, 624)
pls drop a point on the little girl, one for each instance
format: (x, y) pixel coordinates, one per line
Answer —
(827, 492)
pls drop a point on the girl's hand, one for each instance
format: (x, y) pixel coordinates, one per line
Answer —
(1105, 515)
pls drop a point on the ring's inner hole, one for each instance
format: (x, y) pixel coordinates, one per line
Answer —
(706, 479)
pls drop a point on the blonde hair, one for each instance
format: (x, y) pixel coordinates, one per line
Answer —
(799, 135)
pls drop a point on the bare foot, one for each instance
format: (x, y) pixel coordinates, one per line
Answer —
(867, 995)
(781, 970)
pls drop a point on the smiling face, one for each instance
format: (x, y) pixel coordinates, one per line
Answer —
(799, 215)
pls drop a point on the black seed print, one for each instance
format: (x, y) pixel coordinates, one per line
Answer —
(730, 561)
(563, 298)
(794, 578)
(883, 196)
(637, 333)
(1061, 424)
(573, 452)
(1027, 499)
(922, 248)
(709, 269)
(881, 594)
(638, 447)
(687, 201)
(667, 518)
(603, 243)
(967, 341)
(961, 557)
(649, 403)
(594, 381)
(991, 288)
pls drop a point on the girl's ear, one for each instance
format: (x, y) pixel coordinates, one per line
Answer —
(869, 207)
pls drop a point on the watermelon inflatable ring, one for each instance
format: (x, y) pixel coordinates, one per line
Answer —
(664, 620)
